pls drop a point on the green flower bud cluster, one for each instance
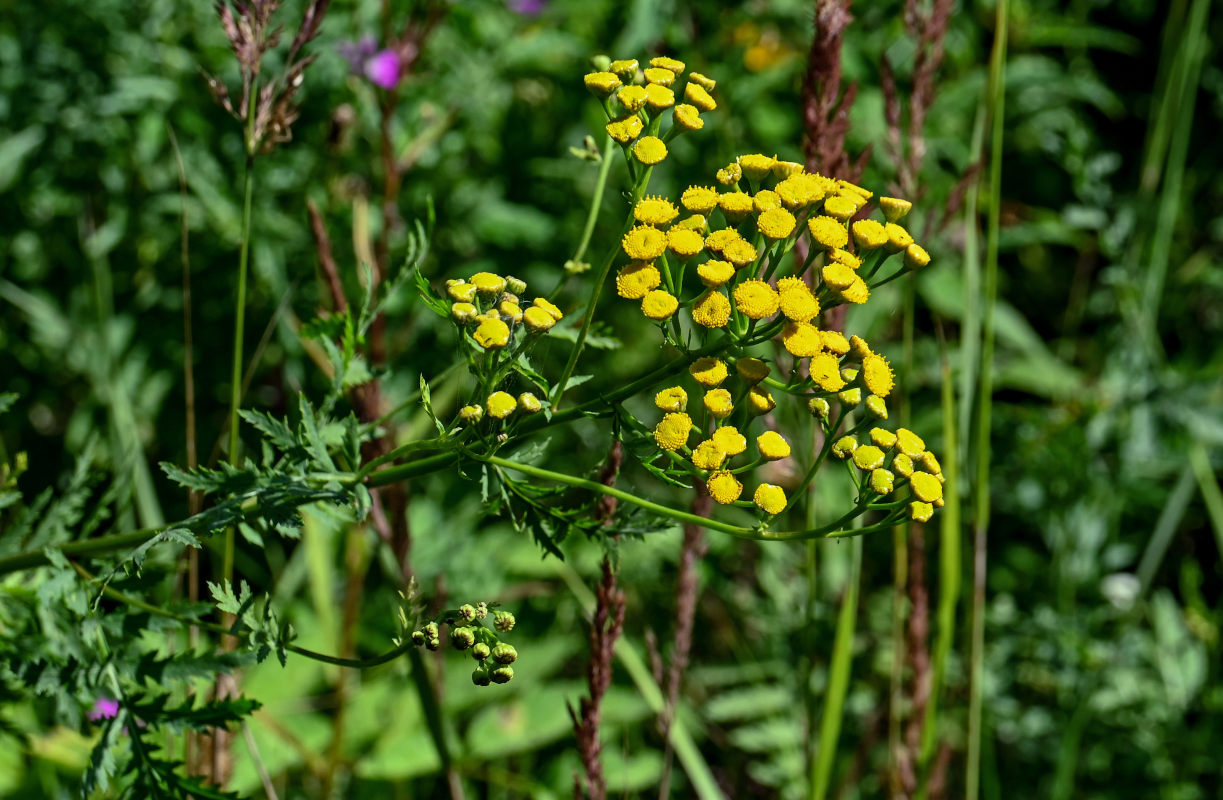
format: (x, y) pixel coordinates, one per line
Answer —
(468, 631)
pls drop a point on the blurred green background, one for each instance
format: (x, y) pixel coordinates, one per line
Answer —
(1104, 589)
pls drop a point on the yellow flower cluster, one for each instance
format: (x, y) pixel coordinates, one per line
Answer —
(490, 306)
(723, 412)
(893, 462)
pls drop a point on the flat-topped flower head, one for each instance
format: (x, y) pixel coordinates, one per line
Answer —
(869, 235)
(752, 370)
(636, 279)
(719, 240)
(632, 98)
(920, 512)
(898, 238)
(602, 84)
(845, 257)
(799, 190)
(910, 443)
(926, 487)
(852, 188)
(828, 232)
(703, 81)
(501, 405)
(461, 291)
(625, 68)
(850, 397)
(708, 371)
(916, 257)
(770, 498)
(644, 243)
(882, 481)
(930, 463)
(659, 305)
(773, 446)
(463, 312)
(488, 283)
(838, 276)
(786, 169)
(658, 97)
(699, 199)
(528, 403)
(715, 273)
(707, 455)
(730, 440)
(877, 406)
(655, 211)
(856, 292)
(825, 371)
(894, 209)
(510, 311)
(729, 175)
(739, 252)
(766, 200)
(760, 401)
(844, 447)
(694, 222)
(672, 399)
(877, 375)
(719, 403)
(698, 96)
(672, 432)
(819, 407)
(868, 457)
(902, 465)
(756, 166)
(625, 129)
(736, 205)
(724, 488)
(711, 310)
(834, 342)
(687, 117)
(471, 414)
(549, 307)
(839, 207)
(685, 243)
(492, 334)
(663, 77)
(650, 150)
(849, 374)
(776, 223)
(797, 301)
(666, 62)
(537, 319)
(859, 348)
(801, 339)
(756, 299)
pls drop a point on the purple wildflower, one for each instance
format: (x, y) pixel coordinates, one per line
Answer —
(530, 8)
(383, 68)
(104, 708)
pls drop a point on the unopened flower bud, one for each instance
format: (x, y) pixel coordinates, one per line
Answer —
(462, 638)
(480, 651)
(515, 285)
(502, 674)
(481, 610)
(471, 414)
(505, 654)
(480, 677)
(467, 612)
(504, 621)
(418, 638)
(819, 407)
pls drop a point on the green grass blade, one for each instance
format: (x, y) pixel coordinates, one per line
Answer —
(838, 678)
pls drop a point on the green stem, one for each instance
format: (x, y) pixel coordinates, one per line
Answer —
(597, 200)
(85, 547)
(235, 396)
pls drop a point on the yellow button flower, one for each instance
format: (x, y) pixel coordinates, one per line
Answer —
(699, 97)
(834, 342)
(549, 307)
(877, 375)
(718, 241)
(729, 175)
(845, 257)
(857, 292)
(819, 407)
(724, 488)
(926, 487)
(537, 319)
(602, 83)
(910, 443)
(712, 310)
(672, 432)
(659, 305)
(838, 276)
(644, 243)
(501, 405)
(715, 273)
(702, 81)
(931, 465)
(650, 150)
(776, 223)
(655, 211)
(462, 291)
(770, 498)
(510, 311)
(708, 371)
(877, 406)
(838, 207)
(844, 447)
(736, 205)
(846, 186)
(883, 438)
(801, 339)
(825, 371)
(756, 166)
(882, 481)
(868, 457)
(920, 512)
(766, 200)
(827, 232)
(916, 257)
(718, 402)
(707, 455)
(471, 414)
(699, 199)
(786, 169)
(687, 117)
(902, 465)
(850, 397)
(773, 446)
(894, 209)
(898, 238)
(695, 222)
(799, 190)
(756, 299)
(658, 97)
(685, 243)
(637, 278)
(730, 440)
(760, 401)
(673, 399)
(626, 68)
(492, 334)
(849, 373)
(666, 62)
(463, 312)
(752, 370)
(632, 98)
(869, 235)
(739, 252)
(625, 129)
(797, 302)
(663, 77)
(487, 283)
(529, 403)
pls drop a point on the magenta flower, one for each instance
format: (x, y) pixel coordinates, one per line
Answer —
(529, 8)
(104, 708)
(383, 68)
